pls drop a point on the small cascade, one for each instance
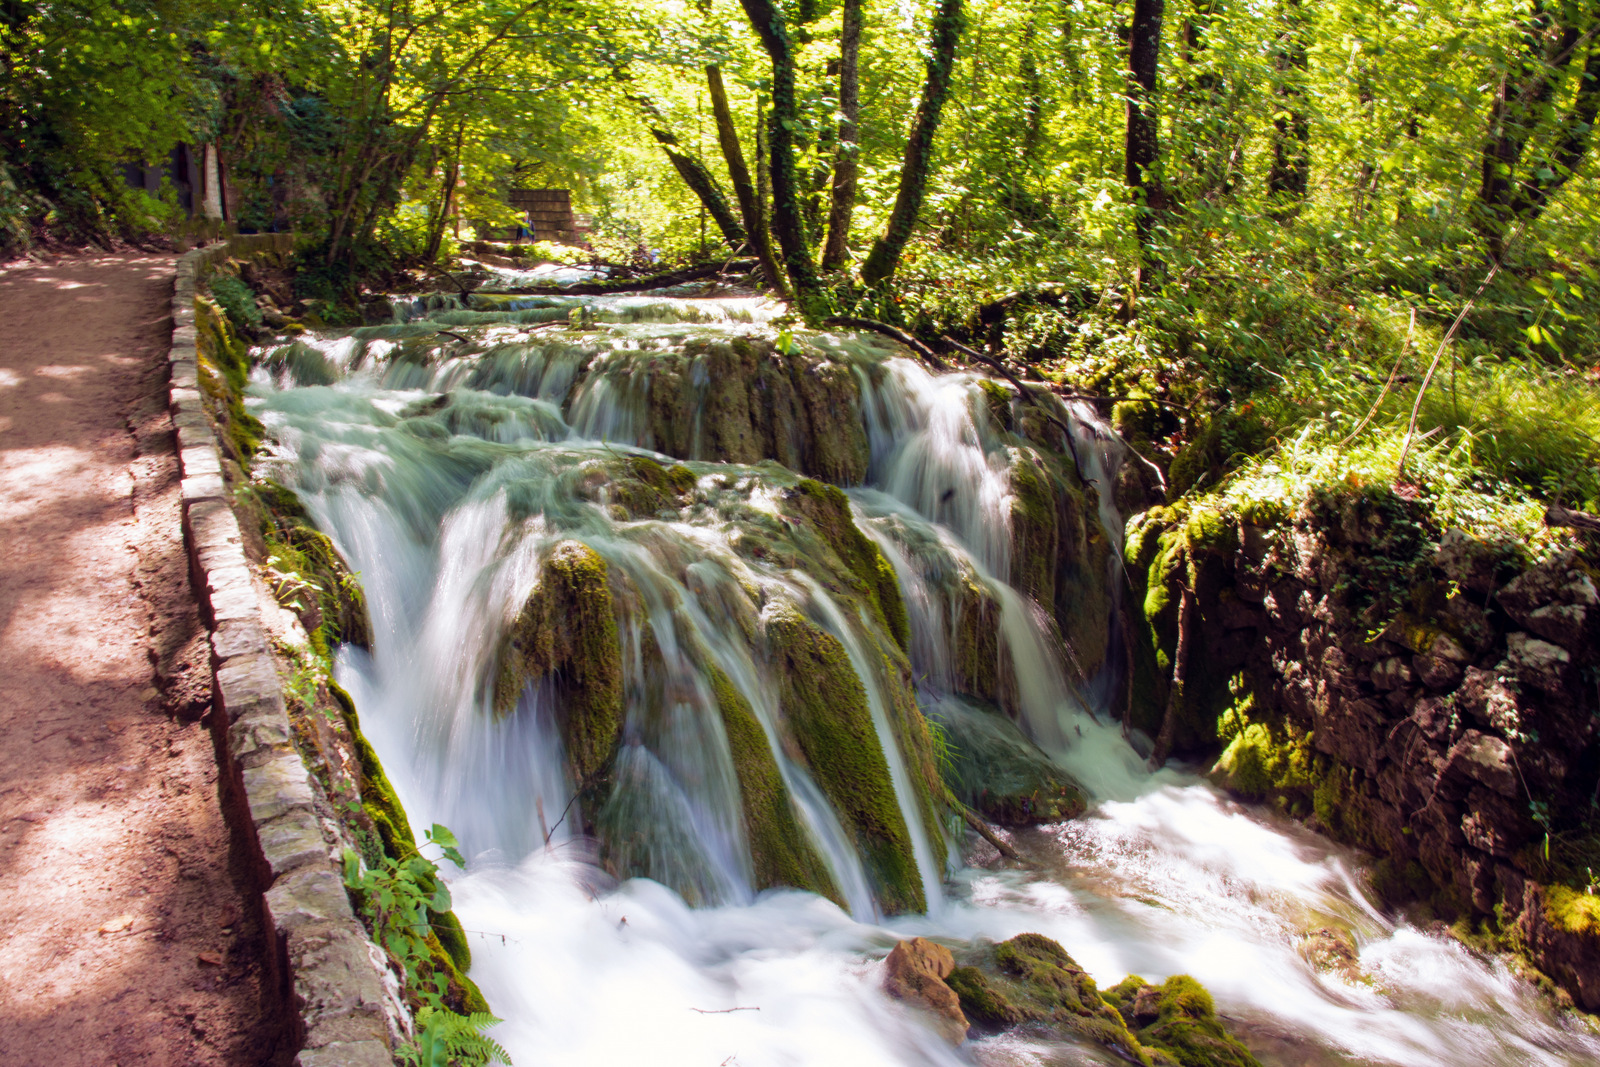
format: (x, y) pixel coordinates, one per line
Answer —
(685, 702)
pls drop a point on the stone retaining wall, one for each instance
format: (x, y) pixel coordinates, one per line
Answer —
(321, 962)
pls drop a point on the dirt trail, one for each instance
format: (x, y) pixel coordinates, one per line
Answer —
(124, 932)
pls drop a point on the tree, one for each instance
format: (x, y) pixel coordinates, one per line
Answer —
(1142, 144)
(942, 40)
(1290, 174)
(847, 163)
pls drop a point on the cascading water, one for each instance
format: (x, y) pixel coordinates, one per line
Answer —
(460, 477)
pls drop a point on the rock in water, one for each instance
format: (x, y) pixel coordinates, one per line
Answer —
(916, 971)
(1030, 981)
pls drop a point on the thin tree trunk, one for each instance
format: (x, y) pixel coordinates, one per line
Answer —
(846, 167)
(447, 194)
(1523, 94)
(755, 223)
(1142, 144)
(886, 251)
(1290, 173)
(1180, 676)
(694, 173)
(787, 226)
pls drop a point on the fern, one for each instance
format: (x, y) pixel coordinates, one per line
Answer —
(445, 1039)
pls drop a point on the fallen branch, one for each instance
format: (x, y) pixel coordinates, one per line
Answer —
(450, 333)
(625, 285)
(447, 276)
(1556, 515)
(990, 836)
(894, 333)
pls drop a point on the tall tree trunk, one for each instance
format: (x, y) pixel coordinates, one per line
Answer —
(1521, 99)
(694, 173)
(846, 167)
(750, 208)
(1141, 142)
(886, 251)
(452, 174)
(1290, 173)
(787, 226)
(1570, 147)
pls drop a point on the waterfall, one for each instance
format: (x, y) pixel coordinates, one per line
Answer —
(456, 476)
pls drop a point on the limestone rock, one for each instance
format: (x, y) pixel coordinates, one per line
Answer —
(1565, 624)
(915, 973)
(1391, 673)
(1538, 662)
(1485, 759)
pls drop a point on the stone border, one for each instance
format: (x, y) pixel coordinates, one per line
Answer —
(327, 975)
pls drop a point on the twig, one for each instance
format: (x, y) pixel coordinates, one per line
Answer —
(894, 333)
(447, 276)
(1427, 379)
(561, 820)
(721, 1011)
(451, 333)
(1362, 425)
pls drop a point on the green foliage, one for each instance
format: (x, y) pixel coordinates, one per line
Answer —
(398, 898)
(237, 299)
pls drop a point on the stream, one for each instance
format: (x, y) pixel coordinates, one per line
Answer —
(448, 512)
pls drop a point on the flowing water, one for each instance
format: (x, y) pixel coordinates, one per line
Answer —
(448, 512)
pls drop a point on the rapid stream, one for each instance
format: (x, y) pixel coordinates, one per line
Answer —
(447, 468)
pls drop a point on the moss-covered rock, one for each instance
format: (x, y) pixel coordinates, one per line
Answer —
(306, 571)
(824, 705)
(828, 510)
(1178, 1020)
(1031, 981)
(994, 769)
(224, 370)
(780, 851)
(742, 401)
(568, 630)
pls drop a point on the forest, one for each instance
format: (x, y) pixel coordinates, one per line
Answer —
(948, 437)
(1268, 216)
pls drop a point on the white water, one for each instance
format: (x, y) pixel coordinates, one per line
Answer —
(1165, 876)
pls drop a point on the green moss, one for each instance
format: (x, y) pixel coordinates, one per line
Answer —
(828, 510)
(977, 668)
(297, 549)
(1262, 760)
(450, 954)
(825, 706)
(780, 850)
(998, 399)
(224, 370)
(1571, 910)
(644, 487)
(1188, 1031)
(985, 1005)
(568, 629)
(1034, 530)
(994, 769)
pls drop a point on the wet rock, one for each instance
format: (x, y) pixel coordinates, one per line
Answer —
(1538, 662)
(1333, 951)
(915, 972)
(995, 770)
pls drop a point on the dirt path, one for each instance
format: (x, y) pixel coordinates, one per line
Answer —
(124, 935)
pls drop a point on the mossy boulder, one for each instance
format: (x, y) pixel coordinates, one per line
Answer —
(1178, 1020)
(995, 770)
(828, 511)
(780, 851)
(825, 708)
(1031, 982)
(743, 400)
(567, 630)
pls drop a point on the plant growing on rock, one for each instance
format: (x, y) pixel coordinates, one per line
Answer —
(398, 898)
